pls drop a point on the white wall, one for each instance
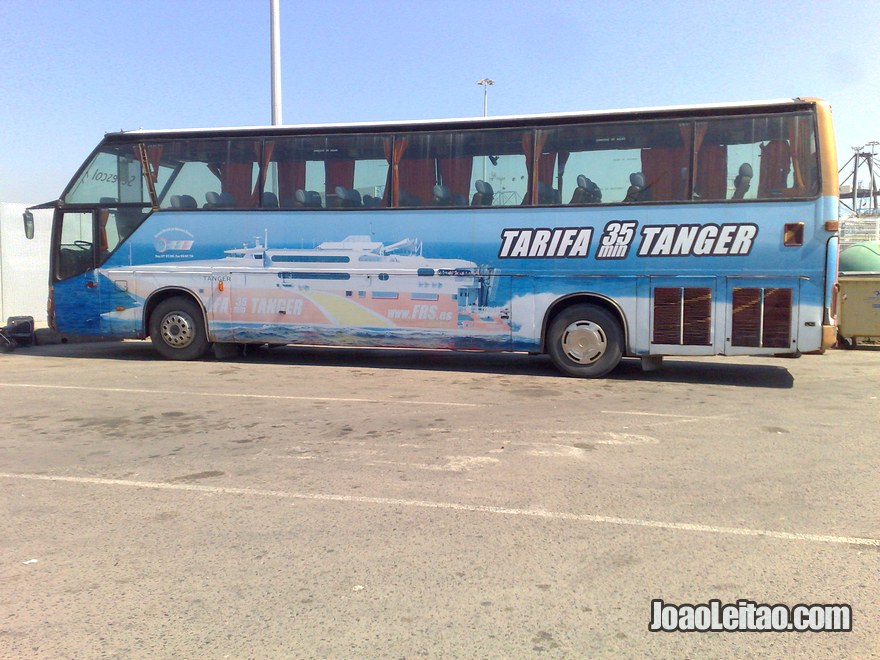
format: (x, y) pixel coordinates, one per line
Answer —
(24, 264)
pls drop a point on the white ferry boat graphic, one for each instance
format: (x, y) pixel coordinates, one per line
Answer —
(357, 284)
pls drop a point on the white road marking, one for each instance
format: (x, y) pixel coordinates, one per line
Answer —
(453, 506)
(627, 439)
(233, 395)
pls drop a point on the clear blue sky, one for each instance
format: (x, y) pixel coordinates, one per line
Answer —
(71, 70)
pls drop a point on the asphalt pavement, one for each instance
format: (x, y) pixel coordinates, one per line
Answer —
(340, 503)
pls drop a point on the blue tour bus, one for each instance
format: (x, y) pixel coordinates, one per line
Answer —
(705, 230)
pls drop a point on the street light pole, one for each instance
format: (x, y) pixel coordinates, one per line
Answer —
(485, 82)
(275, 29)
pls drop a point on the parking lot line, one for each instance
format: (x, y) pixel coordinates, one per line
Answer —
(239, 395)
(454, 506)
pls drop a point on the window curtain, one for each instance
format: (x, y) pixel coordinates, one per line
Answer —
(711, 165)
(563, 160)
(775, 166)
(393, 153)
(803, 158)
(260, 183)
(338, 172)
(291, 177)
(154, 155)
(455, 173)
(417, 177)
(532, 145)
(667, 169)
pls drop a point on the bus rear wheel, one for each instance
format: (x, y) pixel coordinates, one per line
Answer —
(177, 329)
(585, 341)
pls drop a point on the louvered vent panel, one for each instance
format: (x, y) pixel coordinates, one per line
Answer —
(762, 318)
(667, 315)
(746, 317)
(777, 318)
(672, 305)
(697, 316)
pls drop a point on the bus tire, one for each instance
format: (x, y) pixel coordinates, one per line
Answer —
(177, 329)
(585, 341)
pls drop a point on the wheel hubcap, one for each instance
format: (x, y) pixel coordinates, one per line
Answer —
(177, 330)
(584, 342)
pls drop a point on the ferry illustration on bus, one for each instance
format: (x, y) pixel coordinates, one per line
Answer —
(357, 287)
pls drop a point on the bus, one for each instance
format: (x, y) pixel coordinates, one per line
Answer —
(588, 236)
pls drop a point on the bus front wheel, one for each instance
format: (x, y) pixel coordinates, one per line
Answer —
(585, 341)
(177, 329)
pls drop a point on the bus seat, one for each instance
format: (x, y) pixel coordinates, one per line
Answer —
(484, 194)
(441, 196)
(637, 189)
(742, 181)
(226, 200)
(371, 201)
(309, 198)
(270, 200)
(580, 193)
(408, 199)
(212, 200)
(346, 197)
(183, 202)
(587, 192)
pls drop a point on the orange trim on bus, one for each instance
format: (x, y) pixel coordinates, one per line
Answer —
(827, 147)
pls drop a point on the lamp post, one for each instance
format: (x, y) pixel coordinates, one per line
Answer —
(485, 82)
(275, 29)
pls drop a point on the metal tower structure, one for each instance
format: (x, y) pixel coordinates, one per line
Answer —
(860, 196)
(863, 194)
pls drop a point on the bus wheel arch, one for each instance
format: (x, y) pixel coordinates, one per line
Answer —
(584, 335)
(177, 325)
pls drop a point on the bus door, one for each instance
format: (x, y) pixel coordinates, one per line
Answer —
(682, 314)
(76, 290)
(762, 316)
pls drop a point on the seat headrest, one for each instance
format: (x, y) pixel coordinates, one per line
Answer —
(582, 181)
(212, 197)
(484, 188)
(745, 170)
(637, 179)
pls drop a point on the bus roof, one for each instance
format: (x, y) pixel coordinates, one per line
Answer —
(719, 109)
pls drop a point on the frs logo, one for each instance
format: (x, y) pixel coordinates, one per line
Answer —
(542, 243)
(173, 239)
(164, 245)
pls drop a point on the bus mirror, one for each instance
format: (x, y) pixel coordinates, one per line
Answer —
(28, 218)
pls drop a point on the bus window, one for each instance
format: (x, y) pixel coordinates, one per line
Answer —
(763, 157)
(75, 249)
(500, 166)
(616, 162)
(208, 173)
(114, 173)
(344, 171)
